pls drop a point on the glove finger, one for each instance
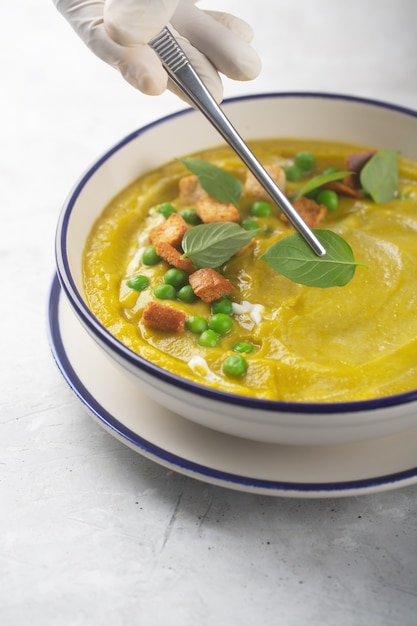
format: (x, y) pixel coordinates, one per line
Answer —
(141, 68)
(206, 71)
(228, 53)
(140, 65)
(239, 27)
(133, 22)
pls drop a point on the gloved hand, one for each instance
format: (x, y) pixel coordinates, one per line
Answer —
(117, 31)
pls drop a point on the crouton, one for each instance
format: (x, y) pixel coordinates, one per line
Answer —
(209, 285)
(344, 188)
(311, 212)
(190, 190)
(172, 256)
(171, 231)
(253, 187)
(210, 210)
(354, 163)
(162, 317)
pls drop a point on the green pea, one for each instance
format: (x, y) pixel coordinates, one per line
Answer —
(222, 305)
(329, 198)
(166, 209)
(305, 160)
(138, 283)
(186, 294)
(243, 347)
(249, 224)
(208, 339)
(292, 173)
(261, 209)
(190, 216)
(165, 292)
(221, 323)
(196, 324)
(235, 366)
(150, 256)
(175, 277)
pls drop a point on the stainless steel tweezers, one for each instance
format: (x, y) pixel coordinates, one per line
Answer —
(187, 80)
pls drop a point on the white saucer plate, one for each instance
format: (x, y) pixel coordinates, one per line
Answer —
(120, 406)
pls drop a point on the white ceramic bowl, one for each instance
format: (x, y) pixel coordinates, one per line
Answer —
(323, 116)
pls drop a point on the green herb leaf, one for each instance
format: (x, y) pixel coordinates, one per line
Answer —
(218, 183)
(318, 181)
(293, 258)
(211, 245)
(379, 176)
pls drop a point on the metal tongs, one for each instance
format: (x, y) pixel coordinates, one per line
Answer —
(182, 73)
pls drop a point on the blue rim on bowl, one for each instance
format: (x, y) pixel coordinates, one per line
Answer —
(125, 354)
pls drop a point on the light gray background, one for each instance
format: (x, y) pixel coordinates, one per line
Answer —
(90, 532)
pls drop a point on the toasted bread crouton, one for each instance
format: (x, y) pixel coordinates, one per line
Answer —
(209, 285)
(210, 210)
(311, 212)
(253, 187)
(162, 317)
(354, 163)
(344, 189)
(172, 256)
(190, 190)
(171, 231)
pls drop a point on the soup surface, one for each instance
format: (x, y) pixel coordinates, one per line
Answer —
(288, 341)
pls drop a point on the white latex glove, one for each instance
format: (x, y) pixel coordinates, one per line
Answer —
(117, 31)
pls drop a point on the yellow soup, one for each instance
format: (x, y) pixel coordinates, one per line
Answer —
(308, 344)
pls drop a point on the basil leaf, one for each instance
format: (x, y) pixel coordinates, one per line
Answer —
(293, 258)
(379, 176)
(211, 245)
(218, 183)
(318, 181)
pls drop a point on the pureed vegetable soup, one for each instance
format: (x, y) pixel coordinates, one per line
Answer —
(222, 316)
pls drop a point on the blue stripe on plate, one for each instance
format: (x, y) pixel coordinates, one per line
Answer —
(183, 465)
